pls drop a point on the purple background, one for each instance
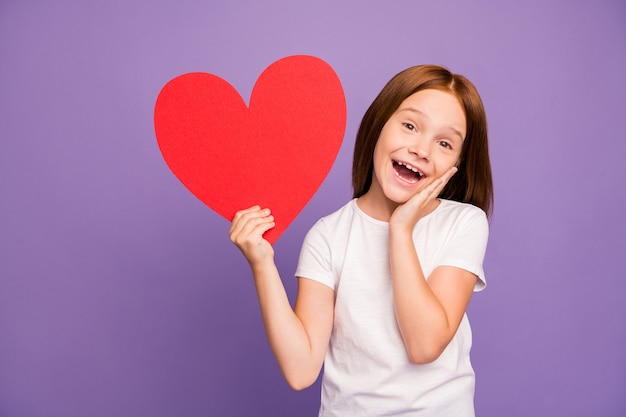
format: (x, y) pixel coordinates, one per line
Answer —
(120, 294)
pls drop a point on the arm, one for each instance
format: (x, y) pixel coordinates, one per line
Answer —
(428, 312)
(298, 338)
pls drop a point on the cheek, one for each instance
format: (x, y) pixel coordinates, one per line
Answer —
(447, 162)
(459, 159)
(456, 158)
(378, 156)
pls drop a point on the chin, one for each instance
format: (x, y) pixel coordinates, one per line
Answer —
(399, 197)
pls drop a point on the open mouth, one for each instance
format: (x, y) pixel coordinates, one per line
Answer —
(407, 172)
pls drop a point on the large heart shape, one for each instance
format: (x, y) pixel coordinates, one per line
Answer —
(274, 153)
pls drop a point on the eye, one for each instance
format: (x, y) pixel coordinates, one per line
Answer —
(445, 144)
(409, 126)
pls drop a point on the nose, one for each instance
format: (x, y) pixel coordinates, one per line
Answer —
(420, 148)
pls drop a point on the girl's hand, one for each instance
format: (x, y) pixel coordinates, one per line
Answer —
(406, 215)
(246, 232)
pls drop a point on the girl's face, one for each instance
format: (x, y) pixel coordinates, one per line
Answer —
(419, 143)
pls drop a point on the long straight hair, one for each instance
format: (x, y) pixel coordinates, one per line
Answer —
(473, 181)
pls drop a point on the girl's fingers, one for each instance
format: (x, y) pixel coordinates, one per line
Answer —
(256, 225)
(265, 226)
(241, 213)
(247, 230)
(411, 211)
(432, 190)
(437, 185)
(242, 216)
(449, 173)
(246, 221)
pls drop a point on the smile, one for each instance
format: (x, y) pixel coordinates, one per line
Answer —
(407, 172)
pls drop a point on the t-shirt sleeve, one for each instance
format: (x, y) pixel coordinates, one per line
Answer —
(315, 260)
(468, 244)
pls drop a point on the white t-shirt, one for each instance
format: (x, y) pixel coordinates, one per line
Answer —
(367, 371)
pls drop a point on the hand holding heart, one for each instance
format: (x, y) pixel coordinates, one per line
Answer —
(246, 231)
(273, 153)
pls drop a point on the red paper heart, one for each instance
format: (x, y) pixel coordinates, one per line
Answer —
(274, 153)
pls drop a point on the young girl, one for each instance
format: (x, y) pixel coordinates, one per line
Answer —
(384, 282)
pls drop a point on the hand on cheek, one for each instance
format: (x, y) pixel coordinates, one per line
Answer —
(408, 214)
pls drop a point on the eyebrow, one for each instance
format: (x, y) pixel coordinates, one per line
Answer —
(421, 113)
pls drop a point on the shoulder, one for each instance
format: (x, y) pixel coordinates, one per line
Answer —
(451, 207)
(454, 210)
(460, 218)
(335, 220)
(322, 246)
(333, 231)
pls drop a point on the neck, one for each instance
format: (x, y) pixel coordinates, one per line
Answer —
(382, 208)
(377, 208)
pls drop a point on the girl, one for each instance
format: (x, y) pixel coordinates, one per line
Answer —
(384, 282)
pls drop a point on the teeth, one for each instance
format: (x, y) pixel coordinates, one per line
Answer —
(411, 167)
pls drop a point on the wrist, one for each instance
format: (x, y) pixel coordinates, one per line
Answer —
(263, 264)
(400, 231)
(399, 241)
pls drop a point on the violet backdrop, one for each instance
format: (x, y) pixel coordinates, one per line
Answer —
(120, 294)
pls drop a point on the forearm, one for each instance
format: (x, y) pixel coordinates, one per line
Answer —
(421, 317)
(285, 332)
